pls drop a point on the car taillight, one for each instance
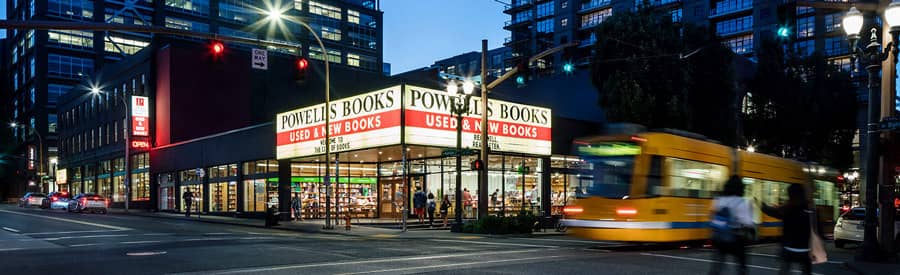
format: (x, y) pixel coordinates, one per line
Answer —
(626, 211)
(83, 200)
(573, 210)
(96, 198)
(53, 198)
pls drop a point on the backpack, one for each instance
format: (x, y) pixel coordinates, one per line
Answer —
(721, 226)
(431, 205)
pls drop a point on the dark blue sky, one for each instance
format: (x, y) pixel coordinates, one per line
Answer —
(418, 32)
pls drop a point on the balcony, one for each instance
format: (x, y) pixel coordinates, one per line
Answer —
(594, 5)
(517, 5)
(509, 41)
(730, 10)
(509, 24)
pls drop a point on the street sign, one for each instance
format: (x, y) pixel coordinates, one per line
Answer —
(260, 59)
(464, 152)
(890, 123)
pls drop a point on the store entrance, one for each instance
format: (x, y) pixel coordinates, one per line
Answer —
(391, 197)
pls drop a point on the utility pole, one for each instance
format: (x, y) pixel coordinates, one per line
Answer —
(483, 174)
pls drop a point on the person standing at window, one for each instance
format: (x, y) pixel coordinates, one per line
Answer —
(188, 197)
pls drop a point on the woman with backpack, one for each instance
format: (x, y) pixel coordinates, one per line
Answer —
(430, 208)
(445, 206)
(732, 225)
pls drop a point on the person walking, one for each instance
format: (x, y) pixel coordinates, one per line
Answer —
(419, 201)
(431, 206)
(445, 207)
(295, 205)
(796, 230)
(188, 197)
(467, 201)
(732, 224)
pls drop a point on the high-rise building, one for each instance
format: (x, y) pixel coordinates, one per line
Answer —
(44, 64)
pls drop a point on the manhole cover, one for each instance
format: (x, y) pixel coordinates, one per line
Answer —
(148, 253)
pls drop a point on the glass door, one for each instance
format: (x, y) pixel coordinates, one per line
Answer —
(391, 198)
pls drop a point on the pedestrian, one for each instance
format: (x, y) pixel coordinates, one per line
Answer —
(431, 206)
(494, 200)
(188, 197)
(445, 207)
(796, 229)
(732, 224)
(295, 205)
(419, 201)
(467, 201)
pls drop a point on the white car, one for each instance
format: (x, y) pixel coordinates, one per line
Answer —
(851, 225)
(32, 199)
(56, 200)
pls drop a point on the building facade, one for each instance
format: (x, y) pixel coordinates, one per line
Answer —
(44, 65)
(469, 64)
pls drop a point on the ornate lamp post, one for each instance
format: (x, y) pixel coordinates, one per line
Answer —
(460, 108)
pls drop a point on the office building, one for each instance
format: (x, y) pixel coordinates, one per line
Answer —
(43, 65)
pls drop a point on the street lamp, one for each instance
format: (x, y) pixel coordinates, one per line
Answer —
(40, 160)
(871, 58)
(275, 15)
(96, 91)
(460, 108)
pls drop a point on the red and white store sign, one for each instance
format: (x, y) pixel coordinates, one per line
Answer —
(512, 127)
(359, 122)
(140, 116)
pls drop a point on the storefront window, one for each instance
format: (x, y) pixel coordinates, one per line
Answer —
(567, 171)
(197, 191)
(118, 179)
(223, 196)
(76, 181)
(167, 196)
(523, 184)
(104, 183)
(140, 186)
(258, 194)
(90, 179)
(255, 195)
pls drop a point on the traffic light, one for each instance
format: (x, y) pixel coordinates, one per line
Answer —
(522, 74)
(568, 68)
(784, 32)
(216, 48)
(477, 165)
(302, 67)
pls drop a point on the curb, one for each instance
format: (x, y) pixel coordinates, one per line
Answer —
(235, 223)
(852, 267)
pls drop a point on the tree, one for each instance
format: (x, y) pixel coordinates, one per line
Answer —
(652, 71)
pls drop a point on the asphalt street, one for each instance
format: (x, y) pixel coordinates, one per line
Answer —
(36, 241)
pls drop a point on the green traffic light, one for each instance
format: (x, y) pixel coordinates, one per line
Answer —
(520, 80)
(783, 32)
(568, 68)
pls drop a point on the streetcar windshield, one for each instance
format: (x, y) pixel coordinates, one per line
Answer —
(611, 177)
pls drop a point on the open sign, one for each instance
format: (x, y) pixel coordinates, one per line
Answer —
(140, 144)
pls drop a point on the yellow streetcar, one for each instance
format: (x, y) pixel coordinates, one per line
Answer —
(659, 186)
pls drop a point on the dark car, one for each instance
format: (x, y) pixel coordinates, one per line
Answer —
(32, 199)
(56, 200)
(89, 202)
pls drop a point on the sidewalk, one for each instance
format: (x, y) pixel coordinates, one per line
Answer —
(316, 226)
(867, 268)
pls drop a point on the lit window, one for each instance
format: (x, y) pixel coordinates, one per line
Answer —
(325, 10)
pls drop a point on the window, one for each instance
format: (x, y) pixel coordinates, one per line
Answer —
(564, 22)
(736, 25)
(522, 16)
(842, 64)
(693, 179)
(676, 15)
(833, 21)
(237, 33)
(545, 9)
(331, 33)
(595, 18)
(190, 6)
(728, 6)
(334, 56)
(31, 68)
(836, 46)
(363, 39)
(353, 16)
(298, 5)
(545, 26)
(741, 44)
(223, 196)
(237, 10)
(255, 195)
(68, 66)
(51, 123)
(325, 10)
(564, 5)
(76, 9)
(127, 46)
(175, 23)
(805, 47)
(801, 10)
(140, 180)
(806, 27)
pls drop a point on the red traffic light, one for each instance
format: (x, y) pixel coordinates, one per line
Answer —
(217, 47)
(302, 64)
(477, 165)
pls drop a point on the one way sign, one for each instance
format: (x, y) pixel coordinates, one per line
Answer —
(260, 59)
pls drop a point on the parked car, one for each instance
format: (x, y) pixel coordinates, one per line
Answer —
(89, 202)
(32, 199)
(851, 225)
(56, 200)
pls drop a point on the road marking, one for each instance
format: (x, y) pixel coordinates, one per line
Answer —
(779, 257)
(148, 253)
(158, 234)
(68, 220)
(71, 232)
(218, 233)
(11, 230)
(710, 261)
(569, 241)
(471, 237)
(84, 237)
(383, 236)
(10, 249)
(450, 265)
(380, 260)
(139, 242)
(84, 244)
(491, 243)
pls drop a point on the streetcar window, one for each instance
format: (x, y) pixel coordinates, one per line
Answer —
(693, 179)
(611, 177)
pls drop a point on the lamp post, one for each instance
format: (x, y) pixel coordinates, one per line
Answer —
(125, 134)
(871, 58)
(40, 160)
(275, 14)
(460, 108)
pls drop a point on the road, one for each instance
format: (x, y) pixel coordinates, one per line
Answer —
(35, 241)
